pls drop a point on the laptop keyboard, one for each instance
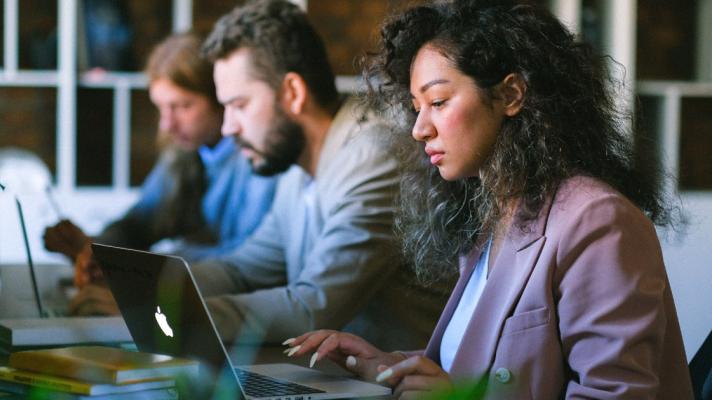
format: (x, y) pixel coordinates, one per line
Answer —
(257, 385)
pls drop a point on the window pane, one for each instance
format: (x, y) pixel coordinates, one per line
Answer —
(666, 39)
(28, 121)
(2, 36)
(207, 12)
(107, 37)
(350, 28)
(696, 144)
(592, 16)
(151, 22)
(144, 120)
(37, 34)
(94, 137)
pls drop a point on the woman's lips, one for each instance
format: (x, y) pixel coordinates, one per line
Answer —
(435, 156)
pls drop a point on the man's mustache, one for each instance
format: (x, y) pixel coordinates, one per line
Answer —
(247, 145)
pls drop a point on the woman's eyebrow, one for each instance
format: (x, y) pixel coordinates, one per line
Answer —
(432, 83)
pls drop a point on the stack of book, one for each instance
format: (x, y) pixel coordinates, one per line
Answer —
(93, 372)
(32, 333)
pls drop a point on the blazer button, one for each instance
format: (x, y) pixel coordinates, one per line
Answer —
(503, 375)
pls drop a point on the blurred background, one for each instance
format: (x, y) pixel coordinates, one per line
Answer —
(72, 94)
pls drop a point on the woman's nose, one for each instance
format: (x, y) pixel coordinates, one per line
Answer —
(423, 128)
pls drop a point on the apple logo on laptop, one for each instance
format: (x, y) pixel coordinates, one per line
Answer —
(163, 322)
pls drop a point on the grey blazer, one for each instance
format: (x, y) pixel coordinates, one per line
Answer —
(325, 255)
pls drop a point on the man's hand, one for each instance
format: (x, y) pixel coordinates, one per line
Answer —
(94, 299)
(65, 238)
(86, 268)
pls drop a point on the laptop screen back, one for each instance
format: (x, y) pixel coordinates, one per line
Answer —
(161, 305)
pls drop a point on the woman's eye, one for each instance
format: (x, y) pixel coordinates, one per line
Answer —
(437, 103)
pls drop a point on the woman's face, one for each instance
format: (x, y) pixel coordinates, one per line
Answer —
(459, 128)
(189, 118)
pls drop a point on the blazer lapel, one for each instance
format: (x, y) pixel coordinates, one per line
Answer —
(467, 266)
(507, 279)
(504, 285)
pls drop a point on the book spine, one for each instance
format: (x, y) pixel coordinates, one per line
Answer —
(64, 367)
(46, 382)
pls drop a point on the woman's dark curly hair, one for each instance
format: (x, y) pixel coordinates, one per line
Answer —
(568, 124)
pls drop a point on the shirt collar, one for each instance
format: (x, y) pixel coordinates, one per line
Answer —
(221, 151)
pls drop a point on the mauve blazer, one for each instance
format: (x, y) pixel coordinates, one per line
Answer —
(577, 306)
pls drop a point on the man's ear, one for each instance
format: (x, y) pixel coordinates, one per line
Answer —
(293, 93)
(513, 89)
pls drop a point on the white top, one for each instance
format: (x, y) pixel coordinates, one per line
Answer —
(463, 313)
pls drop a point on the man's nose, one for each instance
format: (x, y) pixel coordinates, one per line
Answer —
(167, 122)
(230, 126)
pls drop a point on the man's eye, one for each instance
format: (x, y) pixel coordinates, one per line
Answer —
(238, 105)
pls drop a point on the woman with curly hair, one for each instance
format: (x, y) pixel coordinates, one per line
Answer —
(524, 169)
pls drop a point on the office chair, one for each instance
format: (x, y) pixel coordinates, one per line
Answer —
(701, 371)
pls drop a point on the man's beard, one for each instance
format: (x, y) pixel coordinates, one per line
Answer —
(283, 146)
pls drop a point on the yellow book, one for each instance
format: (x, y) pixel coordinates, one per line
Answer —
(102, 364)
(19, 381)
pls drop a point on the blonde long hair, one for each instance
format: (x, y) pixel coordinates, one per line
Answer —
(177, 58)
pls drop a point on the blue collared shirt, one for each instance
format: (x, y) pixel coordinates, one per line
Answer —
(233, 205)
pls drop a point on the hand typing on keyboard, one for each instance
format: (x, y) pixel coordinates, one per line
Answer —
(264, 386)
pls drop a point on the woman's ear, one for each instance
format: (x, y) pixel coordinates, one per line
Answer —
(293, 93)
(513, 90)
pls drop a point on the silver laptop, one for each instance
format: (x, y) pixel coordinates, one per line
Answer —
(165, 313)
(21, 300)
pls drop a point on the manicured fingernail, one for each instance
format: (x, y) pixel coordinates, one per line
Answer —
(350, 361)
(288, 341)
(313, 360)
(287, 350)
(384, 375)
(293, 350)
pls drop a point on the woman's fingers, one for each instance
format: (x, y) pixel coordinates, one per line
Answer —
(349, 351)
(307, 342)
(315, 335)
(327, 341)
(411, 365)
(414, 373)
(412, 384)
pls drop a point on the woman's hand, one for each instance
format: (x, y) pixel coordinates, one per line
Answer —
(65, 238)
(413, 376)
(349, 351)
